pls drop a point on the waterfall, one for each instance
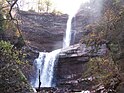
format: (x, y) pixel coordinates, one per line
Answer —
(38, 63)
(46, 61)
(67, 38)
(45, 67)
(48, 68)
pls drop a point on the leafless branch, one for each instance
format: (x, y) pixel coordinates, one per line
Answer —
(15, 21)
(11, 6)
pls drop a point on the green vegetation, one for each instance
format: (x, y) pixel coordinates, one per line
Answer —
(12, 80)
(7, 52)
(107, 70)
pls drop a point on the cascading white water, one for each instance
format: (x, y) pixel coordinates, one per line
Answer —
(38, 63)
(45, 67)
(48, 68)
(46, 61)
(67, 38)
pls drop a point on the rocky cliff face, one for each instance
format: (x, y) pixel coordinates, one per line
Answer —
(45, 31)
(72, 64)
(42, 31)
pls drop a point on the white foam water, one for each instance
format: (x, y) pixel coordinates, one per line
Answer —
(45, 67)
(67, 38)
(46, 61)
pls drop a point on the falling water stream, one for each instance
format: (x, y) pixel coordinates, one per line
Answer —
(67, 38)
(45, 67)
(46, 61)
